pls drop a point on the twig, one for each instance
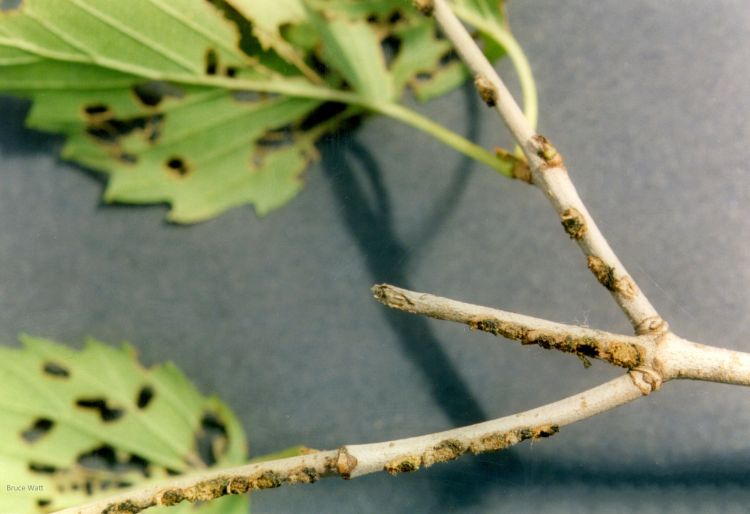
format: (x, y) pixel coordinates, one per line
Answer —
(549, 174)
(353, 461)
(621, 350)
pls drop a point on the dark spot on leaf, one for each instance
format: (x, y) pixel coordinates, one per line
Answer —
(177, 166)
(56, 370)
(372, 18)
(106, 413)
(171, 472)
(145, 395)
(43, 502)
(10, 5)
(231, 72)
(395, 17)
(212, 62)
(127, 158)
(89, 487)
(152, 93)
(37, 430)
(35, 467)
(211, 439)
(123, 484)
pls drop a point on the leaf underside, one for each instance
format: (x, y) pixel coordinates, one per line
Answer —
(209, 105)
(77, 424)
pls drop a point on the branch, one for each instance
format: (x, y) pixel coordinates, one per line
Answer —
(353, 461)
(624, 351)
(549, 174)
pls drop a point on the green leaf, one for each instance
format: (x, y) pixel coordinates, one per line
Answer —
(209, 105)
(97, 73)
(354, 50)
(77, 424)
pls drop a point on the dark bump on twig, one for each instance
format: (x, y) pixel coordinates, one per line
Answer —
(606, 276)
(406, 464)
(126, 507)
(238, 485)
(487, 91)
(548, 153)
(447, 450)
(603, 273)
(499, 328)
(171, 497)
(426, 7)
(345, 463)
(573, 222)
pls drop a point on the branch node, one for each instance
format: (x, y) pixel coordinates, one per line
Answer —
(645, 379)
(345, 463)
(652, 326)
(487, 90)
(547, 152)
(521, 170)
(574, 223)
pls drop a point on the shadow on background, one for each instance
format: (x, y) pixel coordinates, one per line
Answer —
(364, 203)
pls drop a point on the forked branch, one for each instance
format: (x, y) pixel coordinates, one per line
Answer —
(655, 355)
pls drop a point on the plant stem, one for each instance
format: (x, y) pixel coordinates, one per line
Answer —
(352, 461)
(505, 38)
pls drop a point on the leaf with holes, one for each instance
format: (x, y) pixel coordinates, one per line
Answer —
(209, 105)
(144, 90)
(78, 424)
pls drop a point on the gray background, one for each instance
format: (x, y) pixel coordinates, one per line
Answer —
(649, 101)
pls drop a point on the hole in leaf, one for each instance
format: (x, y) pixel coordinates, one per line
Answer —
(37, 430)
(177, 166)
(322, 113)
(35, 467)
(43, 502)
(231, 72)
(96, 110)
(109, 131)
(56, 370)
(212, 62)
(173, 473)
(391, 46)
(145, 395)
(211, 440)
(275, 139)
(152, 93)
(106, 413)
(105, 458)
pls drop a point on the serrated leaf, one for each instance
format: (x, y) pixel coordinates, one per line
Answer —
(76, 424)
(353, 49)
(146, 90)
(86, 64)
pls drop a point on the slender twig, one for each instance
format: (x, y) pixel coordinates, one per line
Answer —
(353, 461)
(621, 350)
(549, 174)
